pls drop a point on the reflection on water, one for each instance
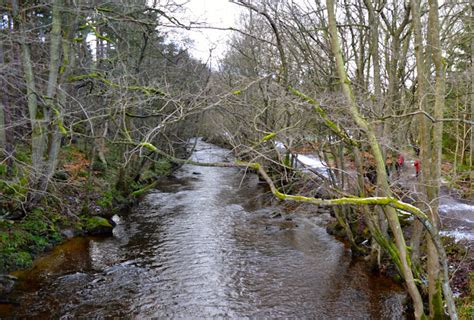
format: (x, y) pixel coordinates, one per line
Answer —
(203, 246)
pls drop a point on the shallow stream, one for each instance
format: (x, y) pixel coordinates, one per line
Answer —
(203, 245)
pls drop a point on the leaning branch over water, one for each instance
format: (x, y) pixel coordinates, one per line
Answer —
(382, 201)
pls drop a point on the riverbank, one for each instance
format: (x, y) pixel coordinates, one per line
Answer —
(82, 198)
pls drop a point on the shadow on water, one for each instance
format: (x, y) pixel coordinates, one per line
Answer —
(203, 245)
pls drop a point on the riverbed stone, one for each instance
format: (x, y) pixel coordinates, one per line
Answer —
(68, 233)
(325, 218)
(287, 224)
(6, 284)
(275, 215)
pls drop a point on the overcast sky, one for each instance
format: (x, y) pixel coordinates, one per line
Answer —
(215, 13)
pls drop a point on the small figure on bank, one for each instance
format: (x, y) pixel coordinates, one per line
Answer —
(417, 167)
(399, 164)
(417, 150)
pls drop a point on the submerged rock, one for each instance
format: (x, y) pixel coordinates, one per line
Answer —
(323, 219)
(287, 224)
(333, 228)
(74, 279)
(68, 233)
(6, 284)
(275, 215)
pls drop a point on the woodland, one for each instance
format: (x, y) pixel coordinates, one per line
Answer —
(98, 102)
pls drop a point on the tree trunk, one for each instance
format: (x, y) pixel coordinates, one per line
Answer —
(6, 138)
(382, 129)
(3, 105)
(471, 156)
(53, 114)
(435, 297)
(38, 130)
(423, 126)
(382, 180)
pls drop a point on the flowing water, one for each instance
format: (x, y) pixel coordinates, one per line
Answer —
(203, 245)
(458, 218)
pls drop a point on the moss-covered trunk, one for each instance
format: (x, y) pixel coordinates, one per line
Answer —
(382, 179)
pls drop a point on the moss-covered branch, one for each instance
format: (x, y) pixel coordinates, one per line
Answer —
(148, 91)
(146, 188)
(382, 201)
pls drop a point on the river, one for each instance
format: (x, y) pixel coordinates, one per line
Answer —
(204, 245)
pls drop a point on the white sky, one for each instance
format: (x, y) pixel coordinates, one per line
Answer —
(214, 13)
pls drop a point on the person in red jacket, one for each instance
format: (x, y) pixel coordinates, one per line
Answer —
(399, 164)
(417, 167)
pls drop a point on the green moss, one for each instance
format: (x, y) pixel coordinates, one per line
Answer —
(141, 191)
(466, 305)
(15, 189)
(20, 240)
(148, 146)
(437, 302)
(35, 222)
(14, 250)
(99, 166)
(67, 153)
(22, 259)
(97, 225)
(106, 200)
(162, 167)
(94, 222)
(3, 169)
(23, 156)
